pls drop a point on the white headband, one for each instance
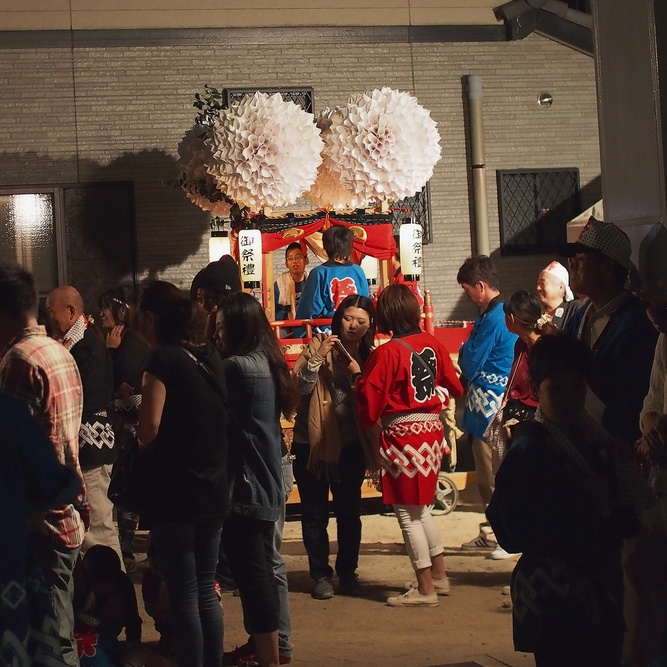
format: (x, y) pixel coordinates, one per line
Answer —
(558, 270)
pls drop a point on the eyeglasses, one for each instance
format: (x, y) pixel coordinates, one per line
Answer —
(575, 260)
(295, 258)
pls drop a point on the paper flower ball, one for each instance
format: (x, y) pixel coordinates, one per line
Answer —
(328, 192)
(265, 151)
(199, 186)
(383, 147)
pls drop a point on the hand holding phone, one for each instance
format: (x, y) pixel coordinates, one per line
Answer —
(341, 349)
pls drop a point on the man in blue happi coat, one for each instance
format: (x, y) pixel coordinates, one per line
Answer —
(485, 360)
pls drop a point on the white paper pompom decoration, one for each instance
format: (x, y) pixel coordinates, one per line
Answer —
(328, 192)
(384, 146)
(265, 151)
(199, 186)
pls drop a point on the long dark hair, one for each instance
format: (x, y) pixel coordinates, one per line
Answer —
(157, 296)
(177, 319)
(245, 329)
(183, 321)
(367, 343)
(119, 301)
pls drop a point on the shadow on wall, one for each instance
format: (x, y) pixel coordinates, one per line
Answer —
(121, 222)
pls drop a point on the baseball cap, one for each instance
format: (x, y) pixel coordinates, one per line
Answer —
(607, 239)
(222, 276)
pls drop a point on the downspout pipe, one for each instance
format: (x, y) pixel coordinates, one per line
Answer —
(481, 207)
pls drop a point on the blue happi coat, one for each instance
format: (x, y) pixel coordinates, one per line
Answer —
(485, 360)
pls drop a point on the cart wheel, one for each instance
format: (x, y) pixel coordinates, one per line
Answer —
(446, 495)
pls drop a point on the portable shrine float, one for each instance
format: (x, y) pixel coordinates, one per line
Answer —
(249, 165)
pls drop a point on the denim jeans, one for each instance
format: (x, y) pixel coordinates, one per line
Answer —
(279, 568)
(57, 564)
(188, 553)
(314, 494)
(248, 544)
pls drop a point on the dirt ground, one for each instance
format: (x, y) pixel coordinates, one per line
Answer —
(470, 626)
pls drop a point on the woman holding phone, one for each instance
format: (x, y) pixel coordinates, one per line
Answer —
(332, 452)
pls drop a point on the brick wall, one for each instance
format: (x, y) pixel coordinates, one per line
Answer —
(118, 113)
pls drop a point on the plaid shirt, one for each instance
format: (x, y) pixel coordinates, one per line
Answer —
(40, 371)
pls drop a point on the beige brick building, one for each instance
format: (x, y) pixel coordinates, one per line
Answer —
(92, 95)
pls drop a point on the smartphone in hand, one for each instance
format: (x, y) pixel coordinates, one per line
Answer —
(341, 348)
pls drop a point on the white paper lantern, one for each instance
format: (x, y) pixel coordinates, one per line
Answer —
(369, 266)
(250, 256)
(410, 248)
(218, 245)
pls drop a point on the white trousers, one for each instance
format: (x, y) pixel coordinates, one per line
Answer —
(420, 534)
(102, 528)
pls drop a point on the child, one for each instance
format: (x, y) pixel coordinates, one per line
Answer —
(105, 605)
(329, 283)
(565, 498)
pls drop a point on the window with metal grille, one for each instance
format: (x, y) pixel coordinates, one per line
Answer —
(535, 207)
(303, 97)
(417, 207)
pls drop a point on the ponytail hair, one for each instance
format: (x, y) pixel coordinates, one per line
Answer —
(526, 308)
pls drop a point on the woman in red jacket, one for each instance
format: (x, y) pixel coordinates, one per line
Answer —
(404, 385)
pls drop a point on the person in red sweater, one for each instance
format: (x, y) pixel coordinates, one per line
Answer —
(404, 385)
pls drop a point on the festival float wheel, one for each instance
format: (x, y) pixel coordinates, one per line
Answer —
(446, 495)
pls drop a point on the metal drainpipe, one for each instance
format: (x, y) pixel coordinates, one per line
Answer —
(475, 97)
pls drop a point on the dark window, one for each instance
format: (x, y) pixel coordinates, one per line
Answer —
(535, 207)
(418, 207)
(302, 97)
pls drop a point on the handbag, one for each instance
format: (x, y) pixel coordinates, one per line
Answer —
(127, 487)
(498, 433)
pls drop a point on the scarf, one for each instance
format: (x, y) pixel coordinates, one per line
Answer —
(287, 292)
(323, 432)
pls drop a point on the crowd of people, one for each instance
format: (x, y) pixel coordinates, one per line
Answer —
(563, 396)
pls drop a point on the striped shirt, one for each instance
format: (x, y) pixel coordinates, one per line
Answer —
(40, 371)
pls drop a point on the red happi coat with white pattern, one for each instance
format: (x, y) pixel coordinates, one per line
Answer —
(395, 387)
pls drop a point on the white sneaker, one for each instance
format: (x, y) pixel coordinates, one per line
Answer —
(485, 541)
(500, 554)
(442, 586)
(413, 598)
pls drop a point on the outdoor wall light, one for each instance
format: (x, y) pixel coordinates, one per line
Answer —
(545, 100)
